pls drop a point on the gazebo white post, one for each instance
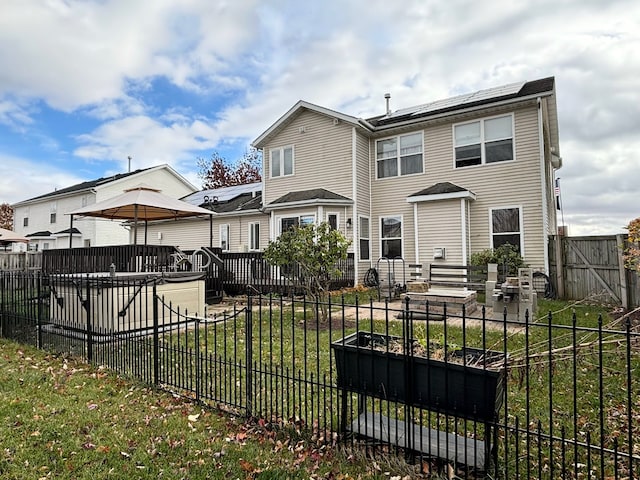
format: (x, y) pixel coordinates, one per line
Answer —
(210, 231)
(135, 224)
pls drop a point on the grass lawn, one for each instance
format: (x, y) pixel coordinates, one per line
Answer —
(60, 418)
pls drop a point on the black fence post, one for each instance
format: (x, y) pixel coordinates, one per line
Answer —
(40, 310)
(197, 355)
(249, 355)
(156, 347)
(87, 308)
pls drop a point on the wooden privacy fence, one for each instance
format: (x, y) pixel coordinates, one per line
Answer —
(593, 265)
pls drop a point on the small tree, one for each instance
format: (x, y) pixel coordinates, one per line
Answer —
(311, 253)
(6, 216)
(631, 253)
(505, 254)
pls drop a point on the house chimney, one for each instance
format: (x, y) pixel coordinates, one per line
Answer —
(129, 158)
(387, 96)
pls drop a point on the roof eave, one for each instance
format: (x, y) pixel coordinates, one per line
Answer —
(442, 196)
(309, 203)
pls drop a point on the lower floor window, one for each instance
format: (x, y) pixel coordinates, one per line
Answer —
(391, 237)
(506, 227)
(287, 223)
(224, 237)
(365, 251)
(254, 236)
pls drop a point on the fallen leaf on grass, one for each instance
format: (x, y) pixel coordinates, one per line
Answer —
(193, 418)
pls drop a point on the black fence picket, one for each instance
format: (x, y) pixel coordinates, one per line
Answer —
(552, 396)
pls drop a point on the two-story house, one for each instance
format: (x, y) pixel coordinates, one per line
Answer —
(430, 183)
(43, 221)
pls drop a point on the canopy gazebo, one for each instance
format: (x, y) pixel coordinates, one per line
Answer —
(142, 202)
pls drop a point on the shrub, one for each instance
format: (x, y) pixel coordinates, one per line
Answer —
(632, 251)
(505, 255)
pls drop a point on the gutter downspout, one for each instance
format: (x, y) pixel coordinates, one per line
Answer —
(543, 181)
(463, 225)
(416, 236)
(354, 212)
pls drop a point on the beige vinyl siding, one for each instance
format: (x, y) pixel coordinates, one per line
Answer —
(188, 234)
(515, 183)
(440, 225)
(322, 156)
(191, 234)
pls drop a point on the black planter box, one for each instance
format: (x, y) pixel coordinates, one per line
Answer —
(468, 392)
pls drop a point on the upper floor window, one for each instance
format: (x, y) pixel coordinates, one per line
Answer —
(401, 155)
(484, 141)
(52, 217)
(25, 222)
(282, 161)
(506, 227)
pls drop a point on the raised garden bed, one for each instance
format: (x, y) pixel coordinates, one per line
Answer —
(468, 383)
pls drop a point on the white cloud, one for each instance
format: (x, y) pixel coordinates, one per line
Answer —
(147, 140)
(32, 180)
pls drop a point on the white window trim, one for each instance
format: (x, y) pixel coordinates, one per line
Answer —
(482, 140)
(399, 175)
(293, 161)
(223, 227)
(520, 221)
(360, 237)
(401, 217)
(251, 234)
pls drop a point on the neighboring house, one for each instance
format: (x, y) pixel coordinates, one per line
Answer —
(431, 183)
(44, 221)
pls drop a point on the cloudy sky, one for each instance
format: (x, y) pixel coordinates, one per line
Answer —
(86, 83)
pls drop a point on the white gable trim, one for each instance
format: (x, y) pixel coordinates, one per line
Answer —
(258, 142)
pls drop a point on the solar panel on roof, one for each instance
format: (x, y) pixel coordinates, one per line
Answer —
(488, 93)
(223, 194)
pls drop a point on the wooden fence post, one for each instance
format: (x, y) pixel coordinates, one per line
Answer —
(624, 294)
(559, 254)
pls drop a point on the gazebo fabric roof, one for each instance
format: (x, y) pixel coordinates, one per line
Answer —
(142, 203)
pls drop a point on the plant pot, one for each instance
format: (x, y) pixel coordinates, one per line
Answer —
(448, 387)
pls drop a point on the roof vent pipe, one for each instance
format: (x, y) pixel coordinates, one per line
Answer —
(387, 96)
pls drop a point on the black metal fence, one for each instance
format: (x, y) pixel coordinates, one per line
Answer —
(553, 396)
